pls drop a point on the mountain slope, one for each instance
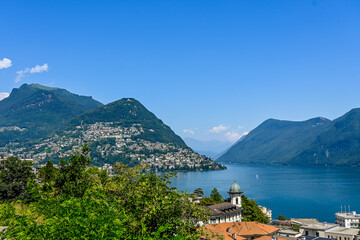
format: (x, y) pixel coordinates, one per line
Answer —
(127, 112)
(122, 131)
(275, 141)
(33, 111)
(338, 145)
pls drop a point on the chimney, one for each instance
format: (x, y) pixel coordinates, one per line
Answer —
(234, 236)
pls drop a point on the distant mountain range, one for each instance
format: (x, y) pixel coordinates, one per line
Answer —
(212, 148)
(317, 141)
(43, 123)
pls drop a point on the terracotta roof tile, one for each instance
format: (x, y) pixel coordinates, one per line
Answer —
(242, 229)
(269, 238)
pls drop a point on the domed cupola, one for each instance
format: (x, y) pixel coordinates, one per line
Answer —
(235, 194)
(235, 188)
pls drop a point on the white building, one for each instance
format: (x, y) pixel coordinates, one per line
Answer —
(348, 220)
(267, 212)
(330, 231)
(228, 211)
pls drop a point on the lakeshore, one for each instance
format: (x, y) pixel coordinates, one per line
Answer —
(293, 191)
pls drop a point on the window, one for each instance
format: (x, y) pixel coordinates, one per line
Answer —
(317, 234)
(306, 233)
(237, 201)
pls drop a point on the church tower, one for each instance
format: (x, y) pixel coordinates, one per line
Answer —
(235, 194)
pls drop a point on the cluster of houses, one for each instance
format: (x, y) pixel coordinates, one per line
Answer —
(226, 223)
(112, 140)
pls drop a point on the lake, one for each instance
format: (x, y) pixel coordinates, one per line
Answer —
(293, 191)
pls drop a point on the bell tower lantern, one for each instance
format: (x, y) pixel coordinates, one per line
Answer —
(235, 194)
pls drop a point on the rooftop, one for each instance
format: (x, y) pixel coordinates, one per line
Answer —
(313, 238)
(235, 188)
(344, 230)
(348, 215)
(212, 235)
(243, 229)
(319, 226)
(304, 220)
(270, 238)
(223, 208)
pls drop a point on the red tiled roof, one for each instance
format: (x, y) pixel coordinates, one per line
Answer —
(242, 229)
(269, 238)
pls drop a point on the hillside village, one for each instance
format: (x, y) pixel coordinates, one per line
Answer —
(111, 142)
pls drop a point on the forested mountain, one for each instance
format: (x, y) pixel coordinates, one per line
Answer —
(33, 111)
(316, 141)
(42, 123)
(126, 113)
(338, 145)
(275, 141)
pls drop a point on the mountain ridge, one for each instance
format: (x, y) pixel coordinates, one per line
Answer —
(275, 141)
(121, 131)
(39, 110)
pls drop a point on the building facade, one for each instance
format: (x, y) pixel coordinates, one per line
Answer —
(329, 231)
(230, 211)
(348, 220)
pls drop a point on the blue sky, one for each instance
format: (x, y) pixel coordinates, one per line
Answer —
(196, 64)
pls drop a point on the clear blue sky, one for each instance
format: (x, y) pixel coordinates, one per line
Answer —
(195, 64)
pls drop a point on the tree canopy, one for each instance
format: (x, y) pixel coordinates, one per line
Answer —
(251, 211)
(85, 203)
(14, 175)
(199, 192)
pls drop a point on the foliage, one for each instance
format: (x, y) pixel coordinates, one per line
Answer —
(48, 175)
(281, 217)
(205, 201)
(72, 178)
(251, 211)
(216, 196)
(134, 204)
(199, 192)
(14, 175)
(296, 228)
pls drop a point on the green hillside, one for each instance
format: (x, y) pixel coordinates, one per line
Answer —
(125, 113)
(339, 145)
(33, 111)
(122, 131)
(275, 141)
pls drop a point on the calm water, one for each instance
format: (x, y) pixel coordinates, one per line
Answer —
(303, 192)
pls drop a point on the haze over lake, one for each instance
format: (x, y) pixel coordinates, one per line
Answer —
(293, 191)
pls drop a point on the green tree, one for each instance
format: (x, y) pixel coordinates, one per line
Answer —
(48, 175)
(134, 204)
(205, 201)
(14, 176)
(281, 217)
(216, 196)
(72, 178)
(199, 192)
(251, 211)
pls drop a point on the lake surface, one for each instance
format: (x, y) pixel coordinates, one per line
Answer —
(293, 191)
